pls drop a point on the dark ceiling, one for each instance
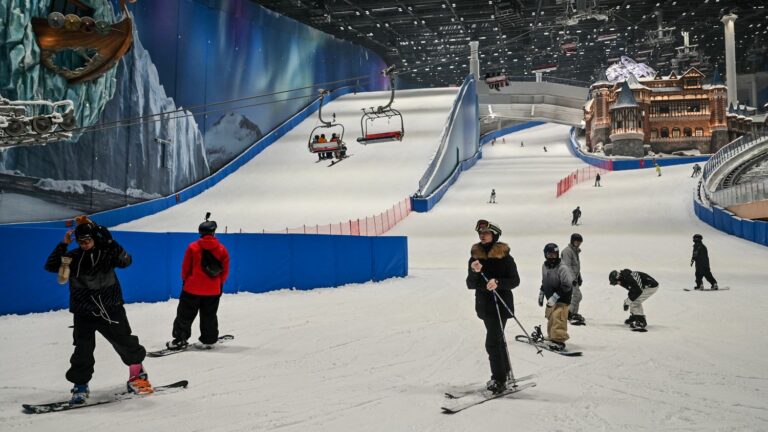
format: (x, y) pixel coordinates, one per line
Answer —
(429, 39)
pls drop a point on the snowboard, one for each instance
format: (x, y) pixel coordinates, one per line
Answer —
(167, 351)
(542, 345)
(125, 395)
(725, 288)
(481, 397)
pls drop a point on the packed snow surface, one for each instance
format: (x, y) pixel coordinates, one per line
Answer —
(378, 356)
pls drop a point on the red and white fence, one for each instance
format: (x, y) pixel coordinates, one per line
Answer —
(370, 226)
(576, 177)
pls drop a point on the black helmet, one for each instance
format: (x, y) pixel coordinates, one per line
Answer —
(208, 227)
(551, 248)
(576, 237)
(697, 237)
(484, 226)
(613, 277)
(85, 230)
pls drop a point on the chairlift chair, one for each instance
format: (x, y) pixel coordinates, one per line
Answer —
(382, 112)
(337, 147)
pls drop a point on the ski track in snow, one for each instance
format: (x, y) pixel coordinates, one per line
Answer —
(379, 356)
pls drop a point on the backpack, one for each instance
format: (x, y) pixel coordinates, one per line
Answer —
(211, 266)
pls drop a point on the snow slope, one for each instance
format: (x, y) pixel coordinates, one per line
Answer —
(378, 356)
(284, 187)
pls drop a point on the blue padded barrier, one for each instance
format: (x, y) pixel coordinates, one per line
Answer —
(723, 220)
(259, 263)
(736, 226)
(136, 211)
(748, 229)
(761, 232)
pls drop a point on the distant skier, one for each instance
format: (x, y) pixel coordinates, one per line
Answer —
(640, 286)
(658, 170)
(557, 283)
(491, 258)
(545, 149)
(96, 303)
(570, 258)
(696, 170)
(521, 144)
(203, 272)
(493, 196)
(701, 258)
(597, 180)
(576, 215)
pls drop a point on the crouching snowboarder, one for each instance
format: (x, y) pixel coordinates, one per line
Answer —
(640, 286)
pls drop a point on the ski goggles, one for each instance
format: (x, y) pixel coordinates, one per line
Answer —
(484, 226)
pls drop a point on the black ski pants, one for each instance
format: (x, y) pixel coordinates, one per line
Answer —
(118, 333)
(189, 305)
(495, 347)
(704, 273)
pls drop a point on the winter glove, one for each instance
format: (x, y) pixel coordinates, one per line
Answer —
(476, 266)
(64, 270)
(691, 263)
(552, 300)
(626, 304)
(541, 298)
(580, 281)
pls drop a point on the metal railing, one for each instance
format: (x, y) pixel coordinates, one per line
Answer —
(730, 150)
(739, 194)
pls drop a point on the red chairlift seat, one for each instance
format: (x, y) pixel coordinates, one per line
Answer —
(381, 137)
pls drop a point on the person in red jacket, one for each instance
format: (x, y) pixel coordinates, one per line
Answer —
(203, 272)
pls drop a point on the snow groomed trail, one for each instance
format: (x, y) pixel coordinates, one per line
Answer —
(379, 356)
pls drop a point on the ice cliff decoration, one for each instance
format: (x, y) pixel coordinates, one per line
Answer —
(625, 67)
(228, 137)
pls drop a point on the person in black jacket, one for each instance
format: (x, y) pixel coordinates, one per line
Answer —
(96, 302)
(557, 282)
(640, 286)
(576, 215)
(492, 271)
(701, 258)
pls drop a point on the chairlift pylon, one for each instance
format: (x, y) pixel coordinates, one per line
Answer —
(328, 146)
(382, 112)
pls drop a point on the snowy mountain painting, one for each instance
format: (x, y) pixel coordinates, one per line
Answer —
(228, 137)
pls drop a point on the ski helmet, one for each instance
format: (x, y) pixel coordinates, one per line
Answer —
(208, 227)
(485, 226)
(576, 237)
(85, 231)
(613, 277)
(551, 248)
(697, 237)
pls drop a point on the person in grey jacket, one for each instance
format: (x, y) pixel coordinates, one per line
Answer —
(556, 286)
(570, 257)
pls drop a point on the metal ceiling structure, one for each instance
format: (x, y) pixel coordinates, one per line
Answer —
(429, 39)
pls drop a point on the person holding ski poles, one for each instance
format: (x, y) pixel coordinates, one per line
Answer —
(492, 271)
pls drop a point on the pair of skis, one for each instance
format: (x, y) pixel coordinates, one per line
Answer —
(463, 399)
(125, 395)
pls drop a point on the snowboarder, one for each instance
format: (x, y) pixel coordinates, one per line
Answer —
(557, 284)
(203, 272)
(96, 303)
(597, 180)
(576, 215)
(491, 259)
(701, 258)
(570, 258)
(640, 286)
(493, 196)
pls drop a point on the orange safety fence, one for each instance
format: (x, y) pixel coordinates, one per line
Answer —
(369, 226)
(578, 176)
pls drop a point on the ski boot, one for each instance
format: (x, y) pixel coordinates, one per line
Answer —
(496, 386)
(138, 383)
(631, 320)
(80, 393)
(204, 346)
(699, 287)
(176, 344)
(556, 346)
(714, 287)
(640, 323)
(576, 319)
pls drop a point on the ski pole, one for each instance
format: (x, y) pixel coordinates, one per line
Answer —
(525, 332)
(510, 374)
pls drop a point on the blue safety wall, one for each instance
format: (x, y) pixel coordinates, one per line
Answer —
(720, 218)
(425, 204)
(259, 263)
(628, 164)
(126, 214)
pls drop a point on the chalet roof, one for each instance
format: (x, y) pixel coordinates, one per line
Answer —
(602, 79)
(626, 99)
(693, 72)
(716, 79)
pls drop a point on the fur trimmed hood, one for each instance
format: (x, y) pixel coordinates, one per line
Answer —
(498, 250)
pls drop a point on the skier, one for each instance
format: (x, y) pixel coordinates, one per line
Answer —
(695, 166)
(521, 144)
(201, 289)
(96, 303)
(658, 170)
(701, 258)
(557, 284)
(570, 258)
(597, 180)
(491, 259)
(640, 286)
(545, 149)
(576, 215)
(493, 196)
